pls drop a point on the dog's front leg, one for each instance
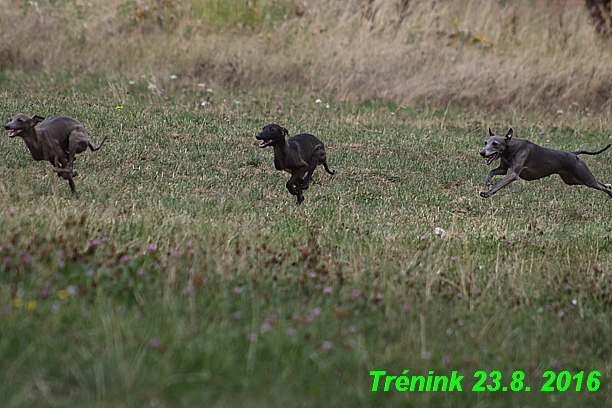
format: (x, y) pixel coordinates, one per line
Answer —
(295, 182)
(294, 185)
(291, 187)
(72, 187)
(300, 197)
(499, 171)
(512, 176)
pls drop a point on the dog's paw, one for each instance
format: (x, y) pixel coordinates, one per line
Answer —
(292, 189)
(485, 194)
(300, 198)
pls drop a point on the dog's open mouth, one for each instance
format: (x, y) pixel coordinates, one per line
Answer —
(15, 132)
(266, 142)
(491, 157)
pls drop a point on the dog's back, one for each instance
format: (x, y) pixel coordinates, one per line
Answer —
(60, 126)
(305, 144)
(542, 161)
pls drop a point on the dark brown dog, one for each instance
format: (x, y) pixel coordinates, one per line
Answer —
(57, 140)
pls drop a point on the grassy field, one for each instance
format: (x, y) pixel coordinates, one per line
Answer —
(185, 275)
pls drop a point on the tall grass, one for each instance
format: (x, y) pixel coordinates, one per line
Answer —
(520, 55)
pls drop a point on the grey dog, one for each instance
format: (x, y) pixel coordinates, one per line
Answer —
(520, 158)
(298, 156)
(57, 140)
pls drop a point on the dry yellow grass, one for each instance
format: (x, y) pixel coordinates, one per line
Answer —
(520, 54)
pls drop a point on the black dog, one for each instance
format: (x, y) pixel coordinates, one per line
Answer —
(297, 156)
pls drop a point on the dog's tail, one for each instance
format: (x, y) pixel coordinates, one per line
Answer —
(94, 149)
(591, 153)
(327, 168)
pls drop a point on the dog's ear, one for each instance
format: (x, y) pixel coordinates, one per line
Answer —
(491, 133)
(509, 134)
(37, 119)
(284, 131)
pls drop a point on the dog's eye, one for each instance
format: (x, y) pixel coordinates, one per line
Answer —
(495, 143)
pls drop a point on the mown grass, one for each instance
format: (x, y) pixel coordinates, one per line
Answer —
(185, 275)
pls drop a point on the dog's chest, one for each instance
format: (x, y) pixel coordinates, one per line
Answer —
(283, 161)
(281, 164)
(289, 170)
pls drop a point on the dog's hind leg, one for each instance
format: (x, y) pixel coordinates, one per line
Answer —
(67, 173)
(318, 157)
(62, 170)
(600, 186)
(582, 176)
(77, 143)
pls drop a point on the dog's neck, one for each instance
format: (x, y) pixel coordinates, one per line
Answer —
(280, 153)
(33, 142)
(511, 147)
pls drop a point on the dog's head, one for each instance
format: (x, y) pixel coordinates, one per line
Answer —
(21, 123)
(495, 146)
(271, 134)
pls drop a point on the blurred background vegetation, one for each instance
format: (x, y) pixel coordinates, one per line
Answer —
(524, 54)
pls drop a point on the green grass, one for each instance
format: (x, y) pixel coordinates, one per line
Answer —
(185, 275)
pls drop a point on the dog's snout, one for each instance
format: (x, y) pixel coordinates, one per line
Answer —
(483, 153)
